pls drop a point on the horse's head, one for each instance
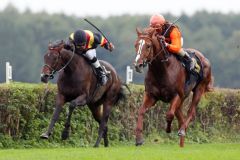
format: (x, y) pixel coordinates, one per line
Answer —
(146, 46)
(52, 60)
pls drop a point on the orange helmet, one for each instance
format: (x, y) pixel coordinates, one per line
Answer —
(157, 20)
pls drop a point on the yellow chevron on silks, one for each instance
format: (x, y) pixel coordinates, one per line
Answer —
(197, 67)
(102, 41)
(71, 36)
(91, 38)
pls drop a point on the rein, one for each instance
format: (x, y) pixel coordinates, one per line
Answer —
(59, 57)
(73, 52)
(166, 53)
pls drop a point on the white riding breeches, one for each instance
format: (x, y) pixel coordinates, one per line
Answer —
(182, 41)
(91, 54)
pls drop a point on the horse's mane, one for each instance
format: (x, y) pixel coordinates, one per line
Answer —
(56, 44)
(148, 30)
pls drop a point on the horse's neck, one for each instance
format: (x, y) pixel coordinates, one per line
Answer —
(75, 62)
(166, 68)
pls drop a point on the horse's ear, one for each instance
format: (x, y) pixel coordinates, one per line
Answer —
(50, 44)
(151, 32)
(62, 43)
(138, 31)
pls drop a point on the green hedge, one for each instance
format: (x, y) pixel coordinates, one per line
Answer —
(26, 109)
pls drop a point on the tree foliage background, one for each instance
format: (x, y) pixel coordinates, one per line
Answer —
(24, 38)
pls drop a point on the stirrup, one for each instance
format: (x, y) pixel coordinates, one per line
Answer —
(192, 64)
(105, 70)
(103, 79)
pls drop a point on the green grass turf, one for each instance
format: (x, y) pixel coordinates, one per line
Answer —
(129, 152)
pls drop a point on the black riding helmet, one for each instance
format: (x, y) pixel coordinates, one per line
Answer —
(80, 38)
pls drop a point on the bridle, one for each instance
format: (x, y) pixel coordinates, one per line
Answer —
(163, 48)
(53, 68)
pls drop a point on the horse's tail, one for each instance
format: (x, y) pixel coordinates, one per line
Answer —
(209, 87)
(121, 94)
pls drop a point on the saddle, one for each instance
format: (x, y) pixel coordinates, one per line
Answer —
(108, 73)
(193, 76)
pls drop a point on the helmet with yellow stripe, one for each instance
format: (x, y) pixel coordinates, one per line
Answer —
(79, 37)
(157, 20)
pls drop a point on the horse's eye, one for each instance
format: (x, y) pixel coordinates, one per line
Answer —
(148, 46)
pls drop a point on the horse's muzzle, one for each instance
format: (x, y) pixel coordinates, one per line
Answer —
(139, 68)
(44, 78)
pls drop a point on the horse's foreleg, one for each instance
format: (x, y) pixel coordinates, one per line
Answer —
(192, 109)
(65, 132)
(79, 101)
(181, 120)
(148, 101)
(59, 103)
(175, 104)
(103, 124)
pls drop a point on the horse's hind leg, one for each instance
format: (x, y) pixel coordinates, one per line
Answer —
(102, 132)
(175, 104)
(192, 109)
(97, 112)
(65, 132)
(105, 137)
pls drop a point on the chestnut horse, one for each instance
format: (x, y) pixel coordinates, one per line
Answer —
(78, 84)
(166, 80)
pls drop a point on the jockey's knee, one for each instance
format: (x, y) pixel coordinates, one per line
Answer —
(90, 54)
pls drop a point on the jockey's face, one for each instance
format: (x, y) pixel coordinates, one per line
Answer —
(157, 25)
(81, 46)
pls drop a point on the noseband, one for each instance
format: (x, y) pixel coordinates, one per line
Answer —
(53, 68)
(163, 48)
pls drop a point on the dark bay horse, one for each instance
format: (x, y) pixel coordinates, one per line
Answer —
(166, 80)
(77, 84)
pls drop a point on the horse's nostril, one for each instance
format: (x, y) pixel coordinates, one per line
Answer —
(51, 76)
(139, 68)
(44, 78)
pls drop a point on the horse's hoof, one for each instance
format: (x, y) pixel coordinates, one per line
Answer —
(181, 132)
(65, 135)
(106, 144)
(168, 129)
(96, 146)
(139, 142)
(44, 136)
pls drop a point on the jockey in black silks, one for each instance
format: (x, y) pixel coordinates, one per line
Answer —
(85, 43)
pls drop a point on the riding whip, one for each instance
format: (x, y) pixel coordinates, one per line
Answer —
(171, 25)
(85, 19)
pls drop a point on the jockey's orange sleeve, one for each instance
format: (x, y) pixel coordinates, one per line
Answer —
(175, 37)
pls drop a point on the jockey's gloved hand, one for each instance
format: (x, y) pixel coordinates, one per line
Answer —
(162, 40)
(166, 44)
(110, 47)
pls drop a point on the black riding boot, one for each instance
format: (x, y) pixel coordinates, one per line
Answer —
(190, 61)
(102, 75)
